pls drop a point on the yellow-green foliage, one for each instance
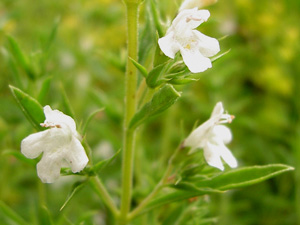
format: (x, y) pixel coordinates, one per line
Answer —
(258, 81)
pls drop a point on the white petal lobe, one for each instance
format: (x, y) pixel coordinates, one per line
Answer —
(195, 61)
(48, 170)
(207, 46)
(194, 46)
(59, 143)
(212, 137)
(32, 146)
(212, 156)
(168, 46)
(78, 159)
(228, 157)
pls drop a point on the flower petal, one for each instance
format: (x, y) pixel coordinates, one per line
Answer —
(56, 117)
(198, 137)
(76, 156)
(223, 133)
(207, 46)
(228, 156)
(199, 17)
(48, 169)
(57, 138)
(190, 19)
(217, 111)
(194, 60)
(212, 156)
(168, 45)
(33, 145)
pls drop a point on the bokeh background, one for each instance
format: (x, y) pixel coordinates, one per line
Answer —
(76, 52)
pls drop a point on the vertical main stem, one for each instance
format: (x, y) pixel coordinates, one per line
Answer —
(130, 108)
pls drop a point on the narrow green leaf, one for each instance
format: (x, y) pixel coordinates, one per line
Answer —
(31, 108)
(75, 189)
(90, 117)
(156, 18)
(44, 89)
(186, 186)
(182, 73)
(243, 177)
(147, 37)
(13, 67)
(20, 57)
(102, 164)
(181, 81)
(162, 100)
(177, 195)
(154, 75)
(223, 37)
(220, 55)
(52, 35)
(66, 102)
(11, 214)
(178, 67)
(142, 69)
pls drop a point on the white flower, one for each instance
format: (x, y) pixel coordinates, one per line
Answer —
(194, 46)
(60, 146)
(189, 4)
(212, 137)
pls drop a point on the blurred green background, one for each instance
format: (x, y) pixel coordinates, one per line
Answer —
(76, 56)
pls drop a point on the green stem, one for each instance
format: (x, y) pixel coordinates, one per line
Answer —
(42, 193)
(104, 195)
(130, 108)
(158, 187)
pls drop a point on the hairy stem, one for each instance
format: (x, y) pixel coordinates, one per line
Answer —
(130, 108)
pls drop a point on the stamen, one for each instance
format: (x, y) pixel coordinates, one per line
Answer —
(43, 125)
(226, 118)
(188, 19)
(50, 125)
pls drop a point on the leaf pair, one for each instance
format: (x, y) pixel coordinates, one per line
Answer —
(225, 181)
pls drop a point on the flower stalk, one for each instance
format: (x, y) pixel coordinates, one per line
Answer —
(130, 108)
(104, 195)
